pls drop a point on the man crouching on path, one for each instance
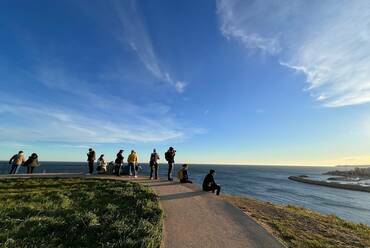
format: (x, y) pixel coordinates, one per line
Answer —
(209, 183)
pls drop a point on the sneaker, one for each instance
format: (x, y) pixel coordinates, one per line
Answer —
(151, 178)
(135, 176)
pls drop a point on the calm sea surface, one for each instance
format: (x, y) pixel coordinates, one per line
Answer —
(268, 183)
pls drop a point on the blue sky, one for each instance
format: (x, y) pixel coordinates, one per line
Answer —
(247, 82)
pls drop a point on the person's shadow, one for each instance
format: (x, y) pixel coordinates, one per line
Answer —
(181, 195)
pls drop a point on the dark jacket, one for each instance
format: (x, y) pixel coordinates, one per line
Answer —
(119, 159)
(32, 161)
(91, 156)
(208, 182)
(185, 175)
(154, 159)
(170, 156)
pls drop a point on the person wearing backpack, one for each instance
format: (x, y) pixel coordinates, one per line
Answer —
(16, 161)
(32, 162)
(183, 174)
(90, 160)
(153, 163)
(118, 162)
(170, 157)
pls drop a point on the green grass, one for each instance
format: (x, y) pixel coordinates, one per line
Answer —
(298, 227)
(78, 213)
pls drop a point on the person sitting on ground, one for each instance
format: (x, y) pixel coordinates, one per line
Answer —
(132, 162)
(209, 183)
(153, 163)
(101, 165)
(183, 174)
(16, 161)
(32, 162)
(119, 162)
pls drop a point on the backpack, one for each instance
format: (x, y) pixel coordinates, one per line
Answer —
(180, 175)
(167, 156)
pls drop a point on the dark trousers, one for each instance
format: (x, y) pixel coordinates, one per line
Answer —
(14, 168)
(170, 169)
(117, 169)
(154, 169)
(213, 188)
(30, 169)
(91, 166)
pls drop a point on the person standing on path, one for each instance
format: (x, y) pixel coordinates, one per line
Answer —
(170, 157)
(16, 161)
(132, 163)
(209, 183)
(118, 162)
(90, 160)
(31, 163)
(153, 163)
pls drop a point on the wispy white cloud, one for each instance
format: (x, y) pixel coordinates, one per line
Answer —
(40, 123)
(95, 117)
(134, 34)
(327, 41)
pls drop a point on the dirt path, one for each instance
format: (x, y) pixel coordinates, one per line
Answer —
(194, 218)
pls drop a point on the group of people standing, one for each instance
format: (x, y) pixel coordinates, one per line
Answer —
(18, 160)
(117, 167)
(132, 166)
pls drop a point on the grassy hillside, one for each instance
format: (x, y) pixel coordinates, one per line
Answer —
(299, 227)
(78, 213)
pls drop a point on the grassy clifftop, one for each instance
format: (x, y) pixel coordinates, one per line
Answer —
(299, 227)
(78, 213)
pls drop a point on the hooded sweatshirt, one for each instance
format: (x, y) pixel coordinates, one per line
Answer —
(132, 158)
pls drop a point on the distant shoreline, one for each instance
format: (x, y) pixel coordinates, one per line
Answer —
(331, 184)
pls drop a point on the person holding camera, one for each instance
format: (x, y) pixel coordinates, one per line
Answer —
(90, 160)
(170, 157)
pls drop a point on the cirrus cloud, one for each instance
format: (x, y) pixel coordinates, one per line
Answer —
(327, 41)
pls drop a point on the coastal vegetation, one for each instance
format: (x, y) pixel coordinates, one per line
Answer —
(300, 227)
(78, 213)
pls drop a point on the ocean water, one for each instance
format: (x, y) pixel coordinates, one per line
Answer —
(268, 183)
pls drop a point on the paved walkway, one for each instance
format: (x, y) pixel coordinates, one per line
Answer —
(194, 218)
